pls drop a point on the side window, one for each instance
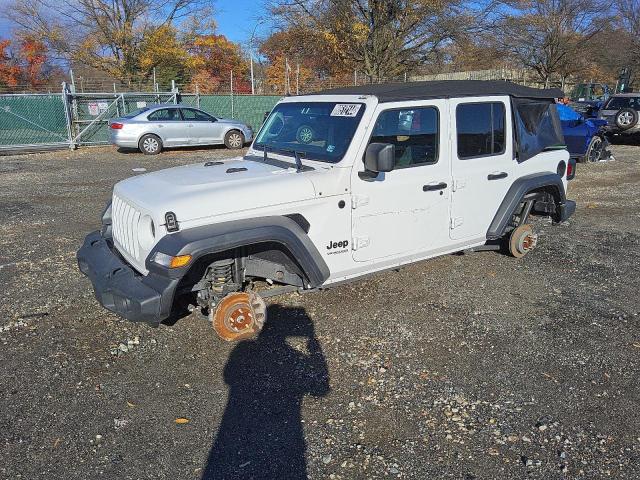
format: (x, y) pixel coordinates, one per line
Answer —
(414, 132)
(164, 115)
(195, 115)
(481, 130)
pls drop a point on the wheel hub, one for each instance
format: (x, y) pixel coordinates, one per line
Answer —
(238, 316)
(522, 241)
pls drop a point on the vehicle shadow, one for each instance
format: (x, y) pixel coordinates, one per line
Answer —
(191, 148)
(261, 435)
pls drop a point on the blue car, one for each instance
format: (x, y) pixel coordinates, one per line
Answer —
(584, 137)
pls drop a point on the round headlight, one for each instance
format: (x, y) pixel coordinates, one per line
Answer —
(146, 232)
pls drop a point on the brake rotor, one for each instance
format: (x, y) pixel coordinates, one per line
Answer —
(238, 316)
(522, 241)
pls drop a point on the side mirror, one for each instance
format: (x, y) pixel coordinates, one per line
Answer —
(380, 157)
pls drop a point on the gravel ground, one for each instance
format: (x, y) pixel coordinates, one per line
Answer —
(468, 367)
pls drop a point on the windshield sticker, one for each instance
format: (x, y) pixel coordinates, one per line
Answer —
(331, 148)
(345, 110)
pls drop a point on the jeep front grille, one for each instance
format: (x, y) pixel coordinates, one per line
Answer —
(124, 224)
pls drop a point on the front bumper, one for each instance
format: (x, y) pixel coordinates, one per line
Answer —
(119, 288)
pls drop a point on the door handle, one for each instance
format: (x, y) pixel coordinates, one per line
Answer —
(434, 186)
(160, 126)
(497, 175)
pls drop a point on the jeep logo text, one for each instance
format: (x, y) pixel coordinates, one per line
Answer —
(341, 244)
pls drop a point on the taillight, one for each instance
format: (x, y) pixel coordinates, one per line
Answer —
(571, 169)
(117, 126)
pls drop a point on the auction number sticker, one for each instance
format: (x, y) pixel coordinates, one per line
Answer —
(345, 110)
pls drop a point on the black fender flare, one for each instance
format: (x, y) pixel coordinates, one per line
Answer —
(517, 191)
(221, 237)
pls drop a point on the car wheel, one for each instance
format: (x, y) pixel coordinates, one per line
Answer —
(626, 118)
(595, 149)
(150, 144)
(234, 139)
(305, 134)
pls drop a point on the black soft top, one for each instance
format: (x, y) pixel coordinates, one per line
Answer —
(395, 92)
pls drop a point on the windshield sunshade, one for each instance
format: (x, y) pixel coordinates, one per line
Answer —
(316, 130)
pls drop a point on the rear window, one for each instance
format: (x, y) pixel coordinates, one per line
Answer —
(480, 129)
(618, 103)
(135, 113)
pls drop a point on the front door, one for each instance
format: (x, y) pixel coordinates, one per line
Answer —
(404, 211)
(482, 164)
(169, 125)
(204, 129)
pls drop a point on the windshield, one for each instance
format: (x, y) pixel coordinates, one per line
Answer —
(316, 130)
(617, 103)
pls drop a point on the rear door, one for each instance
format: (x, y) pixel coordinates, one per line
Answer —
(482, 163)
(404, 211)
(169, 126)
(205, 129)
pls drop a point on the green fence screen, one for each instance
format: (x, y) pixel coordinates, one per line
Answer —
(249, 109)
(27, 120)
(33, 119)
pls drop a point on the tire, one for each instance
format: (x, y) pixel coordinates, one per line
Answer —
(305, 134)
(626, 118)
(150, 144)
(594, 150)
(234, 139)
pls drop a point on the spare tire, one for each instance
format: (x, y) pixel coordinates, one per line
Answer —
(626, 118)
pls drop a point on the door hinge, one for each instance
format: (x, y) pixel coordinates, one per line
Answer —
(458, 184)
(455, 222)
(359, 242)
(359, 201)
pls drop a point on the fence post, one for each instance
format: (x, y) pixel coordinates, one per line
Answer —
(67, 114)
(232, 109)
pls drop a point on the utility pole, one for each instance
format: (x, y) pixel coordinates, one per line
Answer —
(298, 78)
(251, 38)
(286, 76)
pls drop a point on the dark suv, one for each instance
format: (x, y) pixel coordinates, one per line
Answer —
(621, 112)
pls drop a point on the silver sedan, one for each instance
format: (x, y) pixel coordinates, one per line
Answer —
(153, 128)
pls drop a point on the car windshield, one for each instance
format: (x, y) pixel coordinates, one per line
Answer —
(316, 130)
(136, 112)
(616, 103)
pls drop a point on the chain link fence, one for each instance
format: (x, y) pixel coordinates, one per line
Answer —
(42, 121)
(31, 120)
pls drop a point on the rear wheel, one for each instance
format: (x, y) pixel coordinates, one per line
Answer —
(234, 139)
(150, 144)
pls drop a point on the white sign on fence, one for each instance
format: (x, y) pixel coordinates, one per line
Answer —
(141, 104)
(103, 106)
(94, 109)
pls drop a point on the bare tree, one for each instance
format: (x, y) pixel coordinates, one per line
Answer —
(103, 34)
(629, 22)
(385, 38)
(550, 36)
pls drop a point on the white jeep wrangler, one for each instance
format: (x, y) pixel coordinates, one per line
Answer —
(336, 185)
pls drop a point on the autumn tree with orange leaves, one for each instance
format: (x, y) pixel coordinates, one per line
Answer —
(9, 71)
(213, 58)
(24, 65)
